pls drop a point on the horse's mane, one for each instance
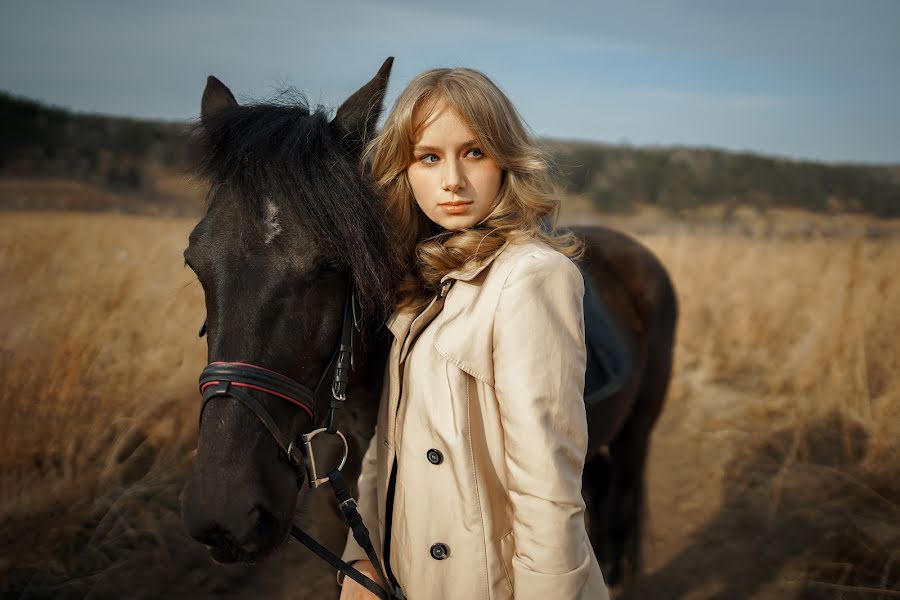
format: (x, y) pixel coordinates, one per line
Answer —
(282, 152)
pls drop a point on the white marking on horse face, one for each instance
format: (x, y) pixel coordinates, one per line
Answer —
(272, 225)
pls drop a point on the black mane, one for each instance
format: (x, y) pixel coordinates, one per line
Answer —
(285, 153)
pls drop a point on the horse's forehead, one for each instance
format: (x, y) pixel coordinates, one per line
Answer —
(289, 234)
(303, 251)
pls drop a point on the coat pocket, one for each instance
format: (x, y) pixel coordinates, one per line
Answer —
(507, 551)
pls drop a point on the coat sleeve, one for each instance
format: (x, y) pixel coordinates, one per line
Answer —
(539, 364)
(366, 505)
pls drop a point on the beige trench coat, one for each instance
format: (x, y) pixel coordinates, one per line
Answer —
(482, 409)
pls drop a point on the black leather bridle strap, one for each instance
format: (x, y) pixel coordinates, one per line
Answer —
(333, 560)
(360, 534)
(226, 388)
(258, 378)
(354, 519)
(344, 358)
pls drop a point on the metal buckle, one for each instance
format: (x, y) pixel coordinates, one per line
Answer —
(309, 457)
(291, 450)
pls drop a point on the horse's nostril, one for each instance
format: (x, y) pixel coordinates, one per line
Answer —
(265, 526)
(214, 536)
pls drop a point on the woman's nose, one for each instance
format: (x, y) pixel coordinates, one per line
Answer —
(454, 180)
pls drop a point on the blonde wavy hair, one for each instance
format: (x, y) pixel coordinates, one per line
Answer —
(527, 203)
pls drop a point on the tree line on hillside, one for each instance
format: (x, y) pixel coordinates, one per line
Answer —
(44, 141)
(117, 153)
(678, 179)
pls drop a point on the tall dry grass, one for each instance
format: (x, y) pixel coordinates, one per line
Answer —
(97, 404)
(789, 357)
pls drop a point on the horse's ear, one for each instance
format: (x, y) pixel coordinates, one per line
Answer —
(217, 98)
(357, 117)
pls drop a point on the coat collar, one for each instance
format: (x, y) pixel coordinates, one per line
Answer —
(398, 323)
(468, 271)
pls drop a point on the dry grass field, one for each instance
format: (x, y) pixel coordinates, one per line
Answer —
(775, 470)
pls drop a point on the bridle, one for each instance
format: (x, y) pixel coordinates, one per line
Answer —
(233, 380)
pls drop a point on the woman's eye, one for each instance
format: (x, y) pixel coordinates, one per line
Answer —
(426, 159)
(477, 152)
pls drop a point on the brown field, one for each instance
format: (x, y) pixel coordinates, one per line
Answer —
(774, 470)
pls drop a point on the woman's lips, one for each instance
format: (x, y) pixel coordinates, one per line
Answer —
(455, 208)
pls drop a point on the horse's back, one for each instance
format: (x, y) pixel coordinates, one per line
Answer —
(623, 260)
(629, 289)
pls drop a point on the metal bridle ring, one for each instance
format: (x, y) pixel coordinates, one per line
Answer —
(309, 456)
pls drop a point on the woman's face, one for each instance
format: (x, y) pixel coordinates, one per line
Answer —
(455, 183)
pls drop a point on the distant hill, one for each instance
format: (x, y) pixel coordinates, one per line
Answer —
(618, 178)
(55, 158)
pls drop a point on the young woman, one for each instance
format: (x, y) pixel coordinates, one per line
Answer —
(471, 486)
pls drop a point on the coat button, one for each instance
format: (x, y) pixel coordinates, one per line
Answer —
(439, 551)
(435, 457)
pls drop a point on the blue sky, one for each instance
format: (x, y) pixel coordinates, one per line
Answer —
(804, 79)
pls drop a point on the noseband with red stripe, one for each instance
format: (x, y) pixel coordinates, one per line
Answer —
(235, 379)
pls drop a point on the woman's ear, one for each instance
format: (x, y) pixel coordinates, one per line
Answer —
(356, 119)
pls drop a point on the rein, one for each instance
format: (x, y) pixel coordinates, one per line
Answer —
(233, 379)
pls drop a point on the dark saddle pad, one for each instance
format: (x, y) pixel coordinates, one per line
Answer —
(608, 360)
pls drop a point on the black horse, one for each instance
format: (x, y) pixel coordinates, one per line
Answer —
(291, 221)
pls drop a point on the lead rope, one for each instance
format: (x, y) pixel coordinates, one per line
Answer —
(339, 486)
(360, 533)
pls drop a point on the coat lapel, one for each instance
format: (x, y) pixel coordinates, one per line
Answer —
(463, 336)
(469, 272)
(400, 321)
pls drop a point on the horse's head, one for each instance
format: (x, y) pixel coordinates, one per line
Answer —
(291, 221)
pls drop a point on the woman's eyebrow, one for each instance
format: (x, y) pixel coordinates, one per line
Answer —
(432, 148)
